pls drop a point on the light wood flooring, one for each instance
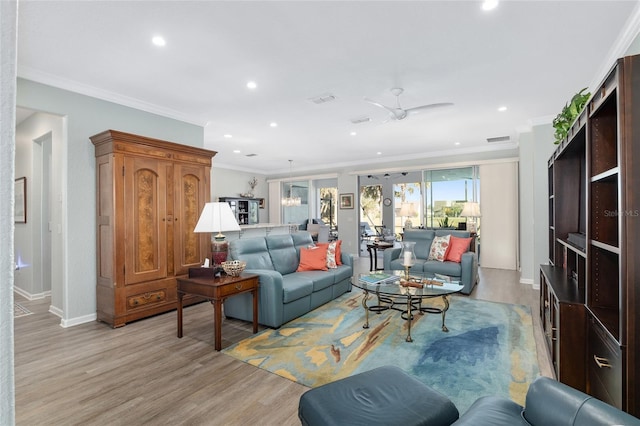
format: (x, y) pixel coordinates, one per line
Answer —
(142, 374)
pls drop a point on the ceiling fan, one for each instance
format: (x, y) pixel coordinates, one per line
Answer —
(399, 113)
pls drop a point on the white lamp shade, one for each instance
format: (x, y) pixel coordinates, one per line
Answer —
(470, 209)
(407, 209)
(217, 217)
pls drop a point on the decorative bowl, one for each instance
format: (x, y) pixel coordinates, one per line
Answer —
(234, 267)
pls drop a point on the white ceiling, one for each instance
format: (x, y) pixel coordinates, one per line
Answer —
(530, 56)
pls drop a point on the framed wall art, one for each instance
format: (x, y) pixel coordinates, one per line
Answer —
(20, 209)
(346, 201)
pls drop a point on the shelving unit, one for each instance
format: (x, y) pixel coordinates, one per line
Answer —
(244, 209)
(590, 291)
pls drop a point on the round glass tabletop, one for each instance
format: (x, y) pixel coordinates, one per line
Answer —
(394, 283)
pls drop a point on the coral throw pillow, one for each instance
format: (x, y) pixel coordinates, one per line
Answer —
(333, 253)
(439, 248)
(313, 259)
(457, 247)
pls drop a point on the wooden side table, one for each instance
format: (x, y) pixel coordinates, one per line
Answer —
(373, 248)
(217, 290)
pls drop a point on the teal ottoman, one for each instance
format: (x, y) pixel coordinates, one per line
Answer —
(383, 396)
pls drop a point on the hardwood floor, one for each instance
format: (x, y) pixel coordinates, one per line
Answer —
(143, 374)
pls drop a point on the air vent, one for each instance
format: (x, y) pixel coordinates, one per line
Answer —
(360, 120)
(321, 99)
(499, 139)
(251, 155)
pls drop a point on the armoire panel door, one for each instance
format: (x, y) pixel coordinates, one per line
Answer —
(145, 209)
(190, 194)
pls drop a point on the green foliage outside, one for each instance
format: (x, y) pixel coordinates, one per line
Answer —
(370, 203)
(328, 206)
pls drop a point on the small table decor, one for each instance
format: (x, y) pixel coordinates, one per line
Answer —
(234, 267)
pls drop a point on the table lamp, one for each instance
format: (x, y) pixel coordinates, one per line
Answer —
(407, 210)
(471, 210)
(217, 217)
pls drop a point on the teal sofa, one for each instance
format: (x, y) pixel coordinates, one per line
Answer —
(466, 271)
(388, 396)
(284, 294)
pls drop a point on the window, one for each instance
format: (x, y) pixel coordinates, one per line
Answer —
(328, 206)
(408, 205)
(446, 191)
(371, 205)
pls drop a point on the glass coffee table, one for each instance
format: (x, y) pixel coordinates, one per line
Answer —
(394, 291)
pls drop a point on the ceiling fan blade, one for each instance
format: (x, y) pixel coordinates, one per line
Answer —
(394, 113)
(379, 105)
(418, 109)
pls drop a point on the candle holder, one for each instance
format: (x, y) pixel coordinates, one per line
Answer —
(408, 257)
(406, 272)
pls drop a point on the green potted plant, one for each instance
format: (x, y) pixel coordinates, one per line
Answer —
(563, 121)
(444, 223)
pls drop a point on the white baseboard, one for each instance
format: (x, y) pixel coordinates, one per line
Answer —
(55, 311)
(30, 296)
(65, 323)
(529, 281)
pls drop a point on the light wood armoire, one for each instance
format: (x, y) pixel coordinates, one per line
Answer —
(149, 197)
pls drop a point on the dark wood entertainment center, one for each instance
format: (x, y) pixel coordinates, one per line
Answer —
(590, 291)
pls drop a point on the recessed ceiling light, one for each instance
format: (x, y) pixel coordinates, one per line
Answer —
(251, 85)
(378, 153)
(228, 136)
(457, 143)
(353, 133)
(489, 4)
(236, 151)
(273, 124)
(502, 109)
(158, 41)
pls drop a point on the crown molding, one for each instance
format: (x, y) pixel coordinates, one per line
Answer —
(626, 36)
(42, 77)
(419, 168)
(497, 147)
(222, 165)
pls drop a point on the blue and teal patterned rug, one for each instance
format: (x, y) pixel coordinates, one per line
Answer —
(489, 349)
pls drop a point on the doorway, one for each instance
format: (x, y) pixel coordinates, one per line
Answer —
(39, 243)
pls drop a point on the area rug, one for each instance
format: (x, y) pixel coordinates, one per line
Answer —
(20, 311)
(489, 349)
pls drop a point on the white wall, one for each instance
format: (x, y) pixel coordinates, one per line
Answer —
(499, 208)
(535, 149)
(86, 116)
(349, 219)
(8, 34)
(543, 147)
(527, 269)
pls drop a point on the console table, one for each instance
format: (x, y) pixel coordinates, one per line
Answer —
(217, 290)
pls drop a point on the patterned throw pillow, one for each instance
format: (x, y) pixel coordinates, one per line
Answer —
(331, 255)
(439, 248)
